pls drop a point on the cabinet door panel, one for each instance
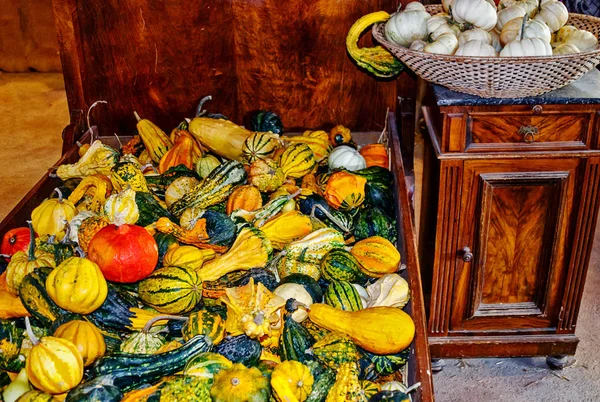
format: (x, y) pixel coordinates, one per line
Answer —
(515, 221)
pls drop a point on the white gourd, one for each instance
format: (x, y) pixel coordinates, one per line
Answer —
(363, 294)
(346, 157)
(554, 14)
(565, 31)
(445, 44)
(440, 24)
(533, 29)
(390, 290)
(508, 14)
(474, 34)
(298, 292)
(414, 6)
(584, 40)
(530, 6)
(496, 41)
(528, 47)
(446, 4)
(565, 48)
(418, 45)
(478, 13)
(403, 28)
(476, 48)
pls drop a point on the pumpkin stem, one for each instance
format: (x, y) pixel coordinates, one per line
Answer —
(60, 194)
(199, 111)
(525, 18)
(30, 333)
(137, 116)
(31, 252)
(154, 320)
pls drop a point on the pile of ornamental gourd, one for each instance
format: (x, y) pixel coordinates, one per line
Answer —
(514, 28)
(217, 263)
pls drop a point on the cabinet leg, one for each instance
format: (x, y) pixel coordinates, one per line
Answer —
(437, 365)
(557, 362)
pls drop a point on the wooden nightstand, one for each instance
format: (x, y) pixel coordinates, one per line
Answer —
(508, 213)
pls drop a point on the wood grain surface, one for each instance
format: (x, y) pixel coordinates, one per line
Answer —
(160, 58)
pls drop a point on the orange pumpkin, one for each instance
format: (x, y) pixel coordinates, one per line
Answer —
(125, 254)
(345, 191)
(375, 155)
(244, 197)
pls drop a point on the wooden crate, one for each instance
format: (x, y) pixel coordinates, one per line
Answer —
(160, 58)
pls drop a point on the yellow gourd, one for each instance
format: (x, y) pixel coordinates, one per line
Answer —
(291, 381)
(379, 330)
(77, 285)
(86, 337)
(377, 256)
(347, 386)
(99, 159)
(286, 228)
(187, 257)
(155, 140)
(251, 249)
(99, 186)
(222, 137)
(52, 216)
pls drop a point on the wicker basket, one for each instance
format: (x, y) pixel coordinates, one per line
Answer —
(499, 77)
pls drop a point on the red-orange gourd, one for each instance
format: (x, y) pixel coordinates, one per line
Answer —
(245, 197)
(375, 155)
(182, 153)
(14, 240)
(125, 254)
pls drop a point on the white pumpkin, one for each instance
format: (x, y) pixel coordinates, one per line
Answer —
(530, 6)
(554, 14)
(495, 41)
(533, 29)
(414, 6)
(584, 40)
(446, 4)
(476, 48)
(440, 24)
(346, 157)
(478, 13)
(528, 47)
(565, 48)
(298, 292)
(562, 33)
(474, 34)
(405, 27)
(509, 13)
(445, 44)
(418, 45)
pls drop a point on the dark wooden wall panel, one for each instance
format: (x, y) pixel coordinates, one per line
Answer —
(160, 57)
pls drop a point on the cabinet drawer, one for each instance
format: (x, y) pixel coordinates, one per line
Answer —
(489, 132)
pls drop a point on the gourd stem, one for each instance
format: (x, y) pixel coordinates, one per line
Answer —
(30, 333)
(154, 320)
(137, 116)
(525, 18)
(384, 132)
(80, 252)
(413, 387)
(60, 194)
(90, 110)
(5, 255)
(118, 140)
(31, 255)
(199, 111)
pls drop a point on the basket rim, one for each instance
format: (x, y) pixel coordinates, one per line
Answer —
(377, 28)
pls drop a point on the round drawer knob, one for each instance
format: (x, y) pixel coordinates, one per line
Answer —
(537, 109)
(467, 256)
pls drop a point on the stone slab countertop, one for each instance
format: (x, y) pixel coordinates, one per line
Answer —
(585, 90)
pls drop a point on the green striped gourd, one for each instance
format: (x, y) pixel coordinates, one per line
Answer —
(142, 343)
(342, 295)
(206, 365)
(204, 322)
(171, 290)
(335, 349)
(260, 146)
(340, 265)
(215, 188)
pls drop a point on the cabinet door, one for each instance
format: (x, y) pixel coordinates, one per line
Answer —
(514, 218)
